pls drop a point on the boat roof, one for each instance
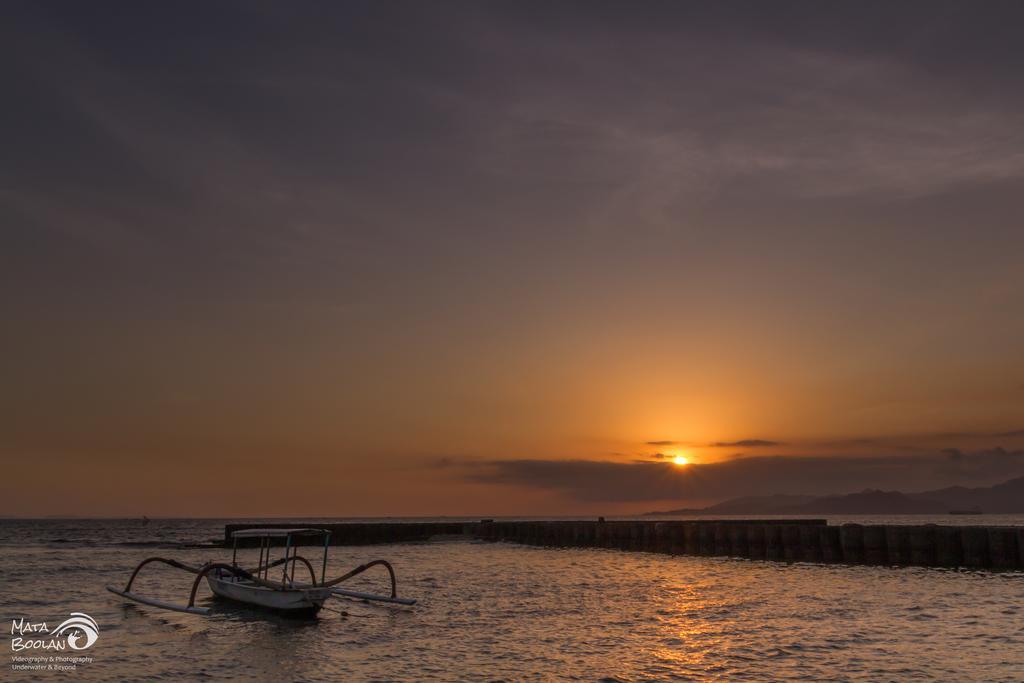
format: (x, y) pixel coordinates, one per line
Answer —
(271, 532)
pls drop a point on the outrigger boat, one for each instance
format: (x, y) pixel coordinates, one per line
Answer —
(257, 588)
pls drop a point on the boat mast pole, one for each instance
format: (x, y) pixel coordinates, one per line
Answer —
(287, 547)
(323, 572)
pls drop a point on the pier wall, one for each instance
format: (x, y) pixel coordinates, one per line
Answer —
(359, 533)
(803, 540)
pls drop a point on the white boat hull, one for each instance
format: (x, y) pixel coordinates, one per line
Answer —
(295, 601)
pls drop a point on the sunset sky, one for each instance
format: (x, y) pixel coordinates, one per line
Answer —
(411, 258)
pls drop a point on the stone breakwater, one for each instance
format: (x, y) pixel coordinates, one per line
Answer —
(926, 545)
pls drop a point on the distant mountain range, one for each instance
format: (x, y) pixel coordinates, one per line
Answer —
(1007, 497)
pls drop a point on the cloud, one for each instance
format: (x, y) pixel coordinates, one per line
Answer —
(746, 443)
(786, 119)
(661, 443)
(442, 463)
(1000, 452)
(613, 482)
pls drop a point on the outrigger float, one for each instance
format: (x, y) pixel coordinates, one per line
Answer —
(256, 588)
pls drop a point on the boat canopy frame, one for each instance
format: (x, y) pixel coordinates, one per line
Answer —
(291, 551)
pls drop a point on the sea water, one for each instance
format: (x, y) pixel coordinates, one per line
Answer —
(509, 612)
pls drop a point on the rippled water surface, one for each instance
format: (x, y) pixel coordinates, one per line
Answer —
(496, 611)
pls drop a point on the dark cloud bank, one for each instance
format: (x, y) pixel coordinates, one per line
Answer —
(597, 481)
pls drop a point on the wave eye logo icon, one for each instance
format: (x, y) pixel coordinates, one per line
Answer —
(80, 626)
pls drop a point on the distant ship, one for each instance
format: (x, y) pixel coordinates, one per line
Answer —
(973, 511)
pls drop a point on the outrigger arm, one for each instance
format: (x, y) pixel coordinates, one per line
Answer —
(393, 598)
(127, 592)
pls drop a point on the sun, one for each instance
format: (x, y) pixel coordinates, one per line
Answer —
(680, 460)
